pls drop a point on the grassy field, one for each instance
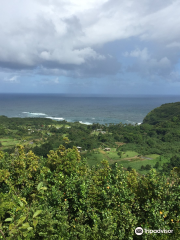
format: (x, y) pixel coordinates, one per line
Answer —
(154, 156)
(129, 159)
(95, 157)
(95, 133)
(137, 164)
(59, 125)
(129, 154)
(9, 141)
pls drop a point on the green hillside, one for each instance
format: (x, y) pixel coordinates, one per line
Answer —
(168, 111)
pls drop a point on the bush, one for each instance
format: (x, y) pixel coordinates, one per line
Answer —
(142, 168)
(129, 168)
(148, 167)
(60, 197)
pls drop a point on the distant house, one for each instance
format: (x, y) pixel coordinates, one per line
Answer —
(79, 149)
(107, 149)
(103, 132)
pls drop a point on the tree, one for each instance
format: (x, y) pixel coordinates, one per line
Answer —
(43, 150)
(62, 197)
(148, 167)
(119, 154)
(129, 168)
(142, 168)
(156, 165)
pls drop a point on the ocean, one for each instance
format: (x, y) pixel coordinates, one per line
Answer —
(83, 109)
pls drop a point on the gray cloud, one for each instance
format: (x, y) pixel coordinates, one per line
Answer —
(161, 67)
(152, 64)
(91, 68)
(64, 37)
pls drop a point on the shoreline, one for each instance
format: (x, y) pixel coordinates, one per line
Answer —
(60, 119)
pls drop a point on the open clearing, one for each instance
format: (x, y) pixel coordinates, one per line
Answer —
(128, 159)
(59, 125)
(9, 141)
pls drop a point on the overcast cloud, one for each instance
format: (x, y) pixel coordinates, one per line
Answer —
(61, 41)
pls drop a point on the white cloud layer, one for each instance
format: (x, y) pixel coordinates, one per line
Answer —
(64, 36)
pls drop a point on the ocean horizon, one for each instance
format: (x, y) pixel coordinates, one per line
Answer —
(86, 109)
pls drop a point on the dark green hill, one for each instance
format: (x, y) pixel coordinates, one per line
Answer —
(168, 111)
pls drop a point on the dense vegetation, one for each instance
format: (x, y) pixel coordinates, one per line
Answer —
(163, 113)
(60, 197)
(50, 190)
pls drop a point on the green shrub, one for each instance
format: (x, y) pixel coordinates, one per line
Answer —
(60, 197)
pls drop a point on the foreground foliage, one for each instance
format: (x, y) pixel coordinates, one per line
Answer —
(60, 197)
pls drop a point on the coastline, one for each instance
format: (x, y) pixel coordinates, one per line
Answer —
(59, 119)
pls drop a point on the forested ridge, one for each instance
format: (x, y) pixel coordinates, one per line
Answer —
(58, 182)
(163, 113)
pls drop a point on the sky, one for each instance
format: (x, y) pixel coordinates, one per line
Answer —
(90, 47)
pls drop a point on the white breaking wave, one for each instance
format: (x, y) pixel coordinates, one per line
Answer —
(36, 114)
(131, 122)
(87, 123)
(56, 118)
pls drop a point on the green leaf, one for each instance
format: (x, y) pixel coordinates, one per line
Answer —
(37, 213)
(25, 225)
(29, 228)
(20, 203)
(8, 219)
(21, 220)
(39, 186)
(35, 222)
(25, 234)
(11, 226)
